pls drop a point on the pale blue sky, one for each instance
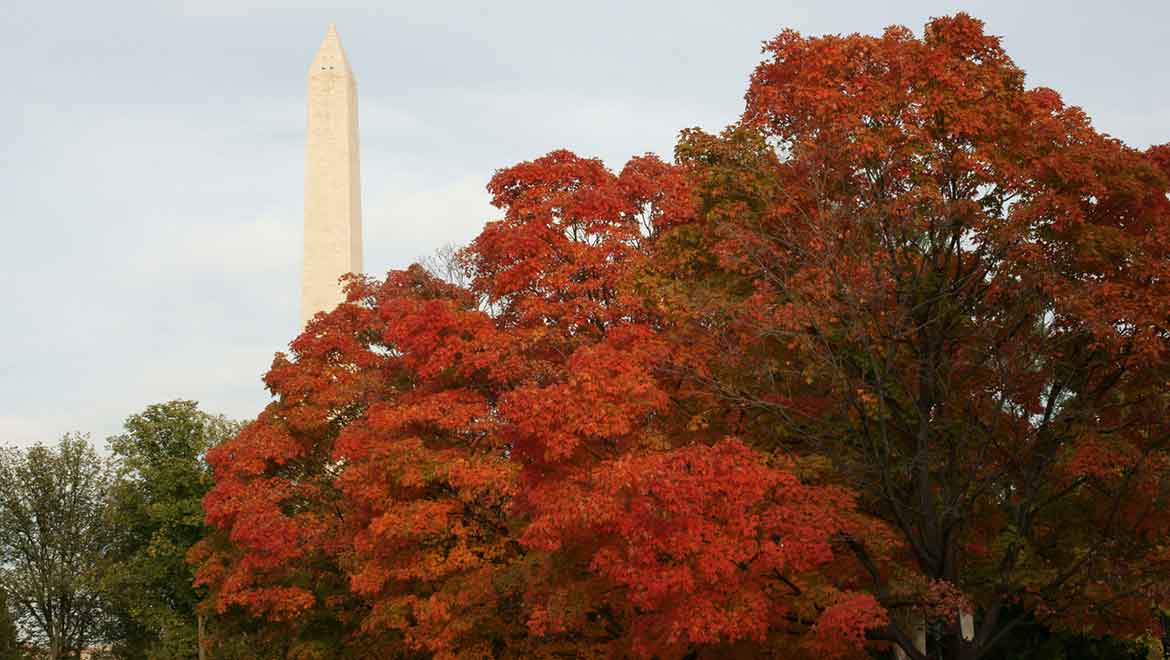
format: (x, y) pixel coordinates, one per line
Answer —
(150, 179)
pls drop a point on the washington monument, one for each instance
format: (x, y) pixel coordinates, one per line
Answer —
(333, 200)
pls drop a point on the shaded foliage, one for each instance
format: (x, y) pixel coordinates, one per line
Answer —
(9, 635)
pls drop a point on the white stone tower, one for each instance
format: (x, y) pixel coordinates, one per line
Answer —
(333, 201)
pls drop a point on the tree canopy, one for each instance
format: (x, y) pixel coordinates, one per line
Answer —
(52, 531)
(156, 509)
(887, 355)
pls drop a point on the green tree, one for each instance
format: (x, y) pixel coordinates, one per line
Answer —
(52, 536)
(156, 505)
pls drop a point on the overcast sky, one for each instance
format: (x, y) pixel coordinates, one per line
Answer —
(151, 164)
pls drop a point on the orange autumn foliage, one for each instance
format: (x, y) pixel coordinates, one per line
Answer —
(435, 468)
(892, 345)
(955, 289)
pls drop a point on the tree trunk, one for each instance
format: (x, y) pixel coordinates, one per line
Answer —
(916, 624)
(199, 632)
(967, 626)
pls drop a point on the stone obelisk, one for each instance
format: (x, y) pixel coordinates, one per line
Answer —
(333, 204)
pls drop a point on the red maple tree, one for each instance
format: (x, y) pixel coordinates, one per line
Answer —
(954, 289)
(524, 482)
